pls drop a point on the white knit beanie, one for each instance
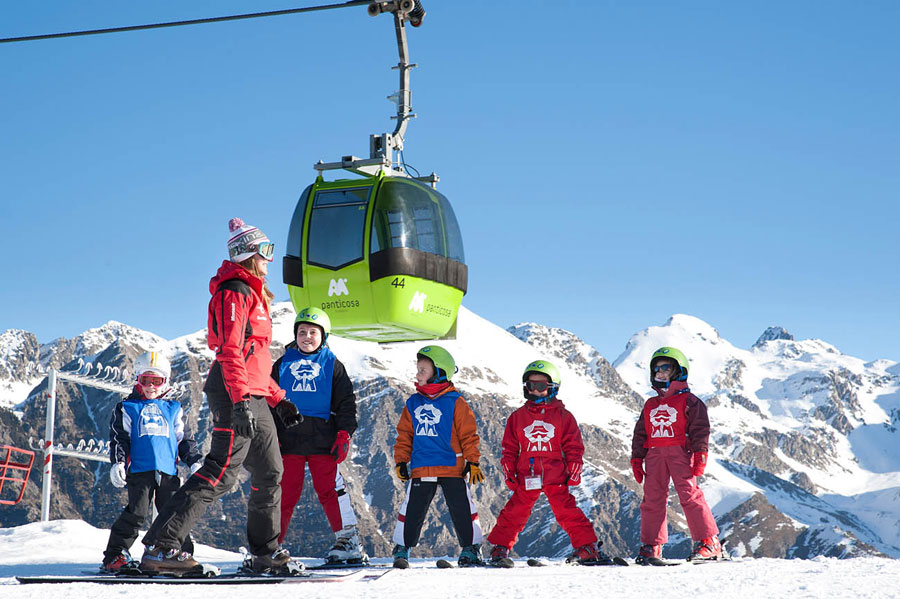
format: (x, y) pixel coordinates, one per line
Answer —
(243, 240)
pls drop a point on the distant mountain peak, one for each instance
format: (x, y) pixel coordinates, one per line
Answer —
(773, 334)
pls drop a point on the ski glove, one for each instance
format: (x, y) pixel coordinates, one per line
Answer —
(243, 422)
(288, 413)
(196, 466)
(341, 446)
(574, 469)
(474, 471)
(509, 476)
(698, 463)
(637, 467)
(402, 471)
(117, 475)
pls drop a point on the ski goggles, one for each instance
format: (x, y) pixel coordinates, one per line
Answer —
(266, 249)
(663, 368)
(151, 380)
(538, 386)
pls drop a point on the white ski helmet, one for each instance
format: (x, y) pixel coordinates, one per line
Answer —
(154, 362)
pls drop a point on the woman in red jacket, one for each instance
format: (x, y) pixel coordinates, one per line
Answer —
(239, 391)
(542, 452)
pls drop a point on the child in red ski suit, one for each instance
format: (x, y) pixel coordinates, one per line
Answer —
(542, 452)
(671, 441)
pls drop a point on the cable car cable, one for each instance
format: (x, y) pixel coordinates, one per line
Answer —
(273, 13)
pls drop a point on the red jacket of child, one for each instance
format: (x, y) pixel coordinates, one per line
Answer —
(679, 416)
(549, 435)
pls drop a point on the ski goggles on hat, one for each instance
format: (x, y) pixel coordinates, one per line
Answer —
(151, 380)
(538, 386)
(663, 368)
(266, 249)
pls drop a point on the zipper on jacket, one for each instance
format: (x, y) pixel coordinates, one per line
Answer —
(250, 352)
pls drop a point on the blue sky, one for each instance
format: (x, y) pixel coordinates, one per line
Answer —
(610, 163)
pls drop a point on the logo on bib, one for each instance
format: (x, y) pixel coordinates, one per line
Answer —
(152, 422)
(427, 417)
(661, 419)
(540, 434)
(305, 373)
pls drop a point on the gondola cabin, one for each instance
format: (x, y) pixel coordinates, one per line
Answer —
(382, 255)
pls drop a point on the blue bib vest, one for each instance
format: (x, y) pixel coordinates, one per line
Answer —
(432, 430)
(154, 445)
(306, 380)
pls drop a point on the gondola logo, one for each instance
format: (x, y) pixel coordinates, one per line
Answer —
(427, 418)
(305, 373)
(540, 434)
(152, 422)
(418, 302)
(338, 287)
(662, 419)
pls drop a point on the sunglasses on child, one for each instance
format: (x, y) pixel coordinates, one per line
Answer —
(266, 249)
(151, 380)
(663, 368)
(538, 386)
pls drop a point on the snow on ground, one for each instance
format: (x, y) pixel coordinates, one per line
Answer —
(70, 546)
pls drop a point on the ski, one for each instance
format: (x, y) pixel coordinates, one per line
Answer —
(658, 561)
(504, 563)
(348, 565)
(615, 561)
(216, 580)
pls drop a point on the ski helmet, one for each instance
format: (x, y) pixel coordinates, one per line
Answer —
(154, 362)
(673, 354)
(316, 316)
(444, 364)
(548, 369)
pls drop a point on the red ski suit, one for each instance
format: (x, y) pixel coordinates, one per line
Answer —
(671, 427)
(541, 440)
(240, 331)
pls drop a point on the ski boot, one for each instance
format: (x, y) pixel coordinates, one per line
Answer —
(470, 556)
(706, 550)
(346, 549)
(278, 563)
(401, 557)
(500, 557)
(116, 563)
(174, 562)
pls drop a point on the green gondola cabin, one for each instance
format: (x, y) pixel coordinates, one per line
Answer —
(382, 255)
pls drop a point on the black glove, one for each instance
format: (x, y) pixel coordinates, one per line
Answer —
(287, 412)
(243, 422)
(402, 471)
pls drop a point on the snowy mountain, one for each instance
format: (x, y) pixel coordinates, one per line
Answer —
(804, 451)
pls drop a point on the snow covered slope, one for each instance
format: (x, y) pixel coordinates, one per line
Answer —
(67, 547)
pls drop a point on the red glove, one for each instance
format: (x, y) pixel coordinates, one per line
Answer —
(574, 469)
(509, 475)
(341, 446)
(698, 463)
(637, 467)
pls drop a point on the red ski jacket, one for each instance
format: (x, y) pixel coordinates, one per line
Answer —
(240, 331)
(542, 438)
(674, 417)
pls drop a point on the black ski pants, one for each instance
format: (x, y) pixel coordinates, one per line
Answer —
(144, 489)
(419, 497)
(227, 453)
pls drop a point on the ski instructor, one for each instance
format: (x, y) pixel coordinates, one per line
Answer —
(239, 391)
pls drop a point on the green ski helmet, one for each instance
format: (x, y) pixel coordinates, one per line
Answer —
(444, 364)
(316, 316)
(674, 354)
(546, 368)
